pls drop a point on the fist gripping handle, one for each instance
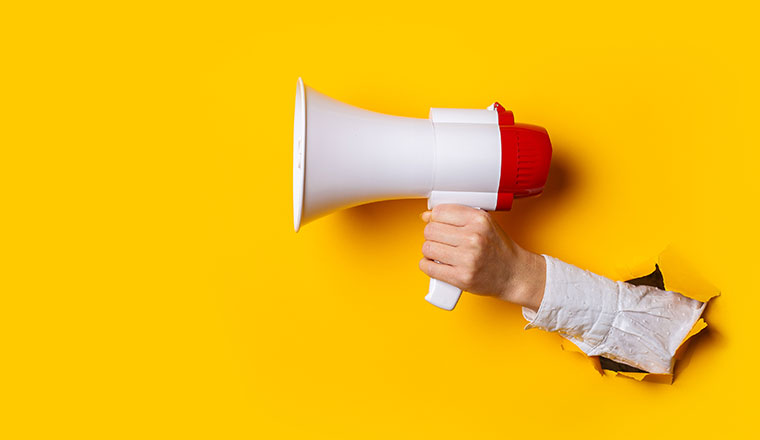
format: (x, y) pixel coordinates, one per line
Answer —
(440, 293)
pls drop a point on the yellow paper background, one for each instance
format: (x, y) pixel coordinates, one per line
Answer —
(152, 286)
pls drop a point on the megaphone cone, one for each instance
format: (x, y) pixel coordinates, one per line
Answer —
(346, 156)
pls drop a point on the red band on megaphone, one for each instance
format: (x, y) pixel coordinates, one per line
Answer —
(509, 145)
(525, 158)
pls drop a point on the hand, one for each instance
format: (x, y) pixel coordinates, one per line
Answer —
(466, 248)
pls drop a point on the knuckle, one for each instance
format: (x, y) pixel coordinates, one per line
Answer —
(476, 240)
(480, 219)
(466, 277)
(470, 261)
(426, 247)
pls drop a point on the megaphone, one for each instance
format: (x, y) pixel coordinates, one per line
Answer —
(345, 156)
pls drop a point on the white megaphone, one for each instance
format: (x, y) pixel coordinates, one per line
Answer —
(345, 156)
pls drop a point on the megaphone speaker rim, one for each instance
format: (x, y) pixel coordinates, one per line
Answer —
(299, 153)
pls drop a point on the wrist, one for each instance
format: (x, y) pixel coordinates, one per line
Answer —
(526, 285)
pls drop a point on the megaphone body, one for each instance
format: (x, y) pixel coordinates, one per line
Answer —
(345, 156)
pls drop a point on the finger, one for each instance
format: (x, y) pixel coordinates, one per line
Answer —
(425, 216)
(440, 252)
(438, 271)
(443, 233)
(455, 215)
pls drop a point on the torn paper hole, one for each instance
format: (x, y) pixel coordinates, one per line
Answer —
(672, 272)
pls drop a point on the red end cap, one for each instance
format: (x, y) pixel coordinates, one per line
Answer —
(525, 157)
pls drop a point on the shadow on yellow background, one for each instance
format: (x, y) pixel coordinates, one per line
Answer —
(152, 285)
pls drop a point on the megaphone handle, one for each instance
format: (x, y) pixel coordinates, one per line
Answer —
(443, 295)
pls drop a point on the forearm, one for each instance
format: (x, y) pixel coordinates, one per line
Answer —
(640, 326)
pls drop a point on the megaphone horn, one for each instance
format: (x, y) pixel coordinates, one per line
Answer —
(345, 156)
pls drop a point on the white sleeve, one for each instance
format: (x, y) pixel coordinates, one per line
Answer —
(640, 326)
